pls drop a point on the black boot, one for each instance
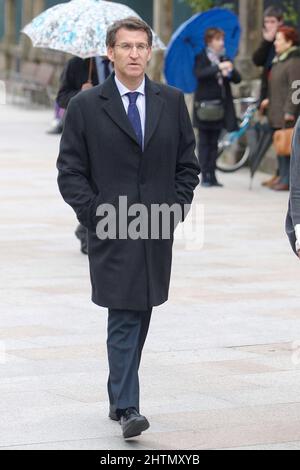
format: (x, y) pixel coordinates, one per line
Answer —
(206, 180)
(56, 128)
(81, 234)
(214, 180)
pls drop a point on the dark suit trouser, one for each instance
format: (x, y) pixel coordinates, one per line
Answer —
(126, 335)
(208, 150)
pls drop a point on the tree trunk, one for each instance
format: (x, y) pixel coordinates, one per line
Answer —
(251, 19)
(10, 31)
(38, 7)
(27, 15)
(34, 53)
(163, 26)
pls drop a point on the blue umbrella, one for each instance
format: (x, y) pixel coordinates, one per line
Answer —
(188, 41)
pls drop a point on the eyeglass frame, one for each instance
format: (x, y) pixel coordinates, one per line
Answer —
(143, 47)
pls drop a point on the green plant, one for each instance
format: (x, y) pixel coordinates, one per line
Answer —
(204, 5)
(200, 5)
(291, 14)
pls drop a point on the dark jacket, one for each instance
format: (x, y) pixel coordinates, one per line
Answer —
(263, 57)
(284, 73)
(100, 159)
(209, 89)
(75, 74)
(293, 216)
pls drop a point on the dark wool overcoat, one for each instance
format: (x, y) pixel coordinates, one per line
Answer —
(75, 74)
(293, 216)
(100, 159)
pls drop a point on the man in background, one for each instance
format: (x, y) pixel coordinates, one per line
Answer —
(79, 75)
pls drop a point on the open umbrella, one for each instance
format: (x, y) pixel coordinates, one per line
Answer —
(79, 27)
(188, 41)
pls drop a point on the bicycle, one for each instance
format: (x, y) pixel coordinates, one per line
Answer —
(233, 147)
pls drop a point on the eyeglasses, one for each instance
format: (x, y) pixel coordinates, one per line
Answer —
(126, 47)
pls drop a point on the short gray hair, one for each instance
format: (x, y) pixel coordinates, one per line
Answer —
(132, 24)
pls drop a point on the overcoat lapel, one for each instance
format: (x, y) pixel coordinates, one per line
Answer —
(154, 105)
(115, 109)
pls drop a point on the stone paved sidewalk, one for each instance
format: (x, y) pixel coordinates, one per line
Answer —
(219, 370)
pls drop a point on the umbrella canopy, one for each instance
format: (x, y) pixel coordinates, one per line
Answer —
(79, 27)
(188, 41)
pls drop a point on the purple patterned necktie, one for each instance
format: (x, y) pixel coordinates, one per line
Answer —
(134, 116)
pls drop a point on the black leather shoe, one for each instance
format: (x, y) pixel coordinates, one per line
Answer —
(133, 424)
(217, 184)
(113, 413)
(206, 184)
(206, 180)
(56, 129)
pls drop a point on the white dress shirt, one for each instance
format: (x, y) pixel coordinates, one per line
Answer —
(141, 101)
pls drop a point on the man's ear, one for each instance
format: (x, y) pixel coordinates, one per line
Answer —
(110, 54)
(150, 55)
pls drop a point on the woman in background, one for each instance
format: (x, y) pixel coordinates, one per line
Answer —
(213, 105)
(283, 110)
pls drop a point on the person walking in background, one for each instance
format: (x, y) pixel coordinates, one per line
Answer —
(58, 122)
(263, 57)
(80, 75)
(283, 111)
(293, 216)
(213, 104)
(130, 137)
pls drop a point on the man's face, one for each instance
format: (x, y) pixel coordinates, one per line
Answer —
(272, 24)
(130, 54)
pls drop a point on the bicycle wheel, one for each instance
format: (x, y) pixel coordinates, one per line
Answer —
(232, 156)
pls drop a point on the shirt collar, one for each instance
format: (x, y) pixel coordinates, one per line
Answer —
(124, 90)
(284, 55)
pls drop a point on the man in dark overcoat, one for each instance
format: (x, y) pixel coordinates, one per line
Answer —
(133, 138)
(293, 216)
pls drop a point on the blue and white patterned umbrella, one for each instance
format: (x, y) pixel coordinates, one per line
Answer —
(79, 27)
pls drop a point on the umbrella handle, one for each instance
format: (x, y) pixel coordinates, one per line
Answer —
(90, 70)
